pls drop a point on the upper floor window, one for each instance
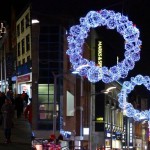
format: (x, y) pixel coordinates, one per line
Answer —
(23, 61)
(27, 43)
(27, 21)
(22, 46)
(19, 63)
(28, 58)
(18, 29)
(22, 25)
(18, 47)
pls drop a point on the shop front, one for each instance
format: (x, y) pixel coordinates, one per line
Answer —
(24, 83)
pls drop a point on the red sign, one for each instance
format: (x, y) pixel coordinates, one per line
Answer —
(23, 78)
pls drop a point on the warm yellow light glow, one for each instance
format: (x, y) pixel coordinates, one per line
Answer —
(99, 119)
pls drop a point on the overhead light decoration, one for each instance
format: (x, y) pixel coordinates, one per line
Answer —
(110, 19)
(128, 108)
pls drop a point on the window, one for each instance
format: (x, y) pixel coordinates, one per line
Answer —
(18, 49)
(18, 30)
(22, 45)
(19, 63)
(23, 61)
(46, 101)
(27, 43)
(22, 25)
(28, 58)
(27, 20)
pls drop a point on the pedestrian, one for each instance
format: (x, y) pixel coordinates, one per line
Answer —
(2, 101)
(28, 112)
(25, 98)
(19, 105)
(59, 139)
(8, 114)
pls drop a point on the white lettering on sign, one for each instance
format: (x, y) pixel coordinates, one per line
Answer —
(100, 53)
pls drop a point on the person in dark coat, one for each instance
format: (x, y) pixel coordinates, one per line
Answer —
(8, 114)
(28, 112)
(2, 101)
(19, 105)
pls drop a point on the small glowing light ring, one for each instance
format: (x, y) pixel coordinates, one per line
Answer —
(127, 87)
(111, 20)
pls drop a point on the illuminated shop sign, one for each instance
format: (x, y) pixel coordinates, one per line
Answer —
(124, 134)
(100, 119)
(130, 134)
(24, 78)
(99, 53)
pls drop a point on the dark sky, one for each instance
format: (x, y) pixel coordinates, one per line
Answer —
(5, 9)
(136, 10)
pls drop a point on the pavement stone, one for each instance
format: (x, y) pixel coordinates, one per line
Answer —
(20, 138)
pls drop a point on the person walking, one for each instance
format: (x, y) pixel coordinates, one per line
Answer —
(25, 98)
(28, 112)
(8, 113)
(19, 105)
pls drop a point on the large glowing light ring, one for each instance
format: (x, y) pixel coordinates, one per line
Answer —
(110, 19)
(127, 87)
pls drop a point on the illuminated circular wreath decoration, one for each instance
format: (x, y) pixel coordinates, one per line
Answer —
(111, 20)
(127, 87)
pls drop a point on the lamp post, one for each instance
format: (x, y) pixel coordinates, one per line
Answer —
(3, 36)
(105, 91)
(56, 76)
(55, 101)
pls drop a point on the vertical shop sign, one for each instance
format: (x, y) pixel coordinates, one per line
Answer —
(130, 133)
(99, 59)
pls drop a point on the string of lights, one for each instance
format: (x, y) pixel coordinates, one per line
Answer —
(111, 20)
(127, 87)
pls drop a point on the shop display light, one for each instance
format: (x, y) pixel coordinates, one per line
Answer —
(111, 20)
(127, 87)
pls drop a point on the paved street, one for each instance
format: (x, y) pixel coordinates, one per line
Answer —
(21, 136)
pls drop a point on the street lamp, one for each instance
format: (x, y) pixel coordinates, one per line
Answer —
(55, 99)
(105, 91)
(3, 36)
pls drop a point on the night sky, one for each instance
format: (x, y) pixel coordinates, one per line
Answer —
(136, 10)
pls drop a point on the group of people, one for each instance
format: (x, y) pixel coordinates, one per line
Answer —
(8, 105)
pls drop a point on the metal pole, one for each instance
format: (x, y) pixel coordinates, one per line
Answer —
(1, 70)
(55, 101)
(90, 127)
(54, 104)
(5, 70)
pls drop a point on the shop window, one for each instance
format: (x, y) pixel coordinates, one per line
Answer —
(46, 111)
(46, 98)
(46, 89)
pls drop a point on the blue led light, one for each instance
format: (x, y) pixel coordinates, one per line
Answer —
(111, 20)
(127, 87)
